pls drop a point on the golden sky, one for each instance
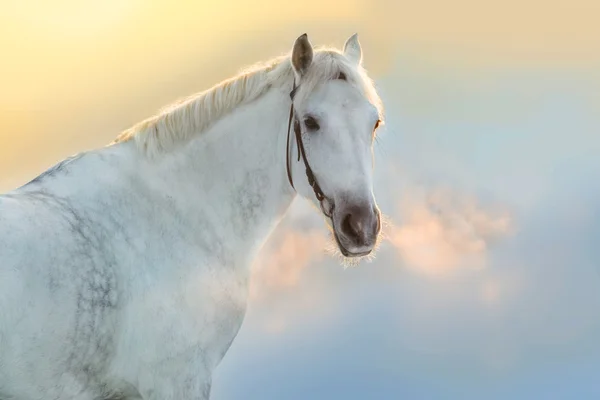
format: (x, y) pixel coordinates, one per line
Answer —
(75, 73)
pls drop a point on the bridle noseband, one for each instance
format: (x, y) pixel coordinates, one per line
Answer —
(312, 181)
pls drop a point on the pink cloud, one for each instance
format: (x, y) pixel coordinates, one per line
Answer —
(440, 231)
(281, 264)
(434, 232)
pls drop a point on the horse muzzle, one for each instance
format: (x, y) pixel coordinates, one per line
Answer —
(356, 228)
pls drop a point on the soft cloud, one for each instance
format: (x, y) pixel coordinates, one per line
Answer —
(281, 264)
(435, 232)
(440, 231)
(279, 274)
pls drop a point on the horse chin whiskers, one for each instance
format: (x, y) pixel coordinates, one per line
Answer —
(386, 226)
(333, 249)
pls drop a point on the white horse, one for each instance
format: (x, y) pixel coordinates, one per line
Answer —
(124, 270)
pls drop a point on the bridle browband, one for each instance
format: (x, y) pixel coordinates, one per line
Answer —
(312, 181)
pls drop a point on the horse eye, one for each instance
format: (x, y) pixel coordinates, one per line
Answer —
(342, 76)
(311, 124)
(377, 124)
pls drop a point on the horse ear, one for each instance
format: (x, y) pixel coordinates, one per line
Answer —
(352, 49)
(302, 55)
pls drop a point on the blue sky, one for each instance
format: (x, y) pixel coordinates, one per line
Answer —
(523, 321)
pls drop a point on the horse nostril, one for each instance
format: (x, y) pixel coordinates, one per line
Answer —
(351, 226)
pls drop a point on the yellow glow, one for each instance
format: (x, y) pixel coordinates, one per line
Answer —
(67, 19)
(73, 73)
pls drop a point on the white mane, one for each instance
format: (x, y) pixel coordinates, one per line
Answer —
(190, 116)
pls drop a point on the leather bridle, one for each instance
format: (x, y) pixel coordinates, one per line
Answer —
(312, 181)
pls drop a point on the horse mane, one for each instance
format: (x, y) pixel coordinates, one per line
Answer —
(190, 116)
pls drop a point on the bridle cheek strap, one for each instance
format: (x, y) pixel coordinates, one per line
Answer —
(312, 181)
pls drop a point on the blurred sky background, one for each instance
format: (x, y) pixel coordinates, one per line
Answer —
(488, 283)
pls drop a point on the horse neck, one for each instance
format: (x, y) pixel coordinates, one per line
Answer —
(234, 174)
